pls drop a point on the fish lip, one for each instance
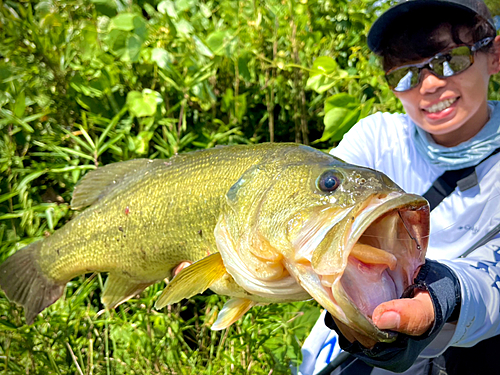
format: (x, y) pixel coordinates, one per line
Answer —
(396, 202)
(339, 302)
(399, 203)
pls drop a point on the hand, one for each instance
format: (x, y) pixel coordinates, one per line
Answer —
(180, 267)
(412, 316)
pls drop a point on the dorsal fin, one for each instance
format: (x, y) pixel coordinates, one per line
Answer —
(101, 181)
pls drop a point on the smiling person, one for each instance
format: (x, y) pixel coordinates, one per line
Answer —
(438, 56)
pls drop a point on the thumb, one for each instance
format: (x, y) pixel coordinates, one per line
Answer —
(412, 316)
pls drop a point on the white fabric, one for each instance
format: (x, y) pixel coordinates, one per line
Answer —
(383, 142)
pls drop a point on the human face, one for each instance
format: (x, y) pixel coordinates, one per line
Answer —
(453, 109)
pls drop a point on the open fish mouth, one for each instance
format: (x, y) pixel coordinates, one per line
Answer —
(363, 257)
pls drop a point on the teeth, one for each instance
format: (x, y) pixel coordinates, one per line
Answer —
(441, 105)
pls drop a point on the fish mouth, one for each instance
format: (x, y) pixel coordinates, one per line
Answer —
(364, 257)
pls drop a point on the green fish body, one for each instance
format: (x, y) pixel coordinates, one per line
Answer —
(260, 223)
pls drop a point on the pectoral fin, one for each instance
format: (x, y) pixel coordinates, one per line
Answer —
(193, 280)
(233, 309)
(118, 289)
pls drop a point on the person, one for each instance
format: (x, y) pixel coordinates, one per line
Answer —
(438, 57)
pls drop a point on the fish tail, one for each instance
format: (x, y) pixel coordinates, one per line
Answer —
(24, 283)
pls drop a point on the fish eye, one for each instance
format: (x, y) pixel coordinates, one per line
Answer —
(328, 182)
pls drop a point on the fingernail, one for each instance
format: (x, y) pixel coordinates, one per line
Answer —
(388, 320)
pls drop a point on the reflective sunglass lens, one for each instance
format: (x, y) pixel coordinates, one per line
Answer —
(460, 63)
(403, 79)
(446, 65)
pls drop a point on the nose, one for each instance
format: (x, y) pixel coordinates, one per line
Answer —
(430, 82)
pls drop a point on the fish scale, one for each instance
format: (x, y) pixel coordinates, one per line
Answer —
(163, 222)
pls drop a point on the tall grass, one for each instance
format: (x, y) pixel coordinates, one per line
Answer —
(77, 336)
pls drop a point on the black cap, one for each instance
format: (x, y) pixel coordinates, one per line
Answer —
(405, 7)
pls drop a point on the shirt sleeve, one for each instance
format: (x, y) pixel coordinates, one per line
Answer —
(479, 277)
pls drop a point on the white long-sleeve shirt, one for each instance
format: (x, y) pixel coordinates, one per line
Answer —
(383, 141)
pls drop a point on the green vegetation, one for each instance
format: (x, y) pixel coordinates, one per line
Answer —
(85, 83)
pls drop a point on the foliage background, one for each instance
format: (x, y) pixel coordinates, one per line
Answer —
(89, 82)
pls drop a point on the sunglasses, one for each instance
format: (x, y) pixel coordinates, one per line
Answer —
(443, 65)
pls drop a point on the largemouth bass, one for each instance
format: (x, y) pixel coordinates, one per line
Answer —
(261, 224)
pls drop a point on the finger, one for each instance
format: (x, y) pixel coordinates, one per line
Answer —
(180, 267)
(412, 316)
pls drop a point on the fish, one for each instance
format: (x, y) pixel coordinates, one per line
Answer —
(264, 223)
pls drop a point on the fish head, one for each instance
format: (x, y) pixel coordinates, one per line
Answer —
(344, 235)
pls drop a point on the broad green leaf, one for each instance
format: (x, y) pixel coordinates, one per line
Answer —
(142, 142)
(321, 83)
(325, 74)
(184, 5)
(243, 62)
(143, 104)
(324, 65)
(133, 48)
(117, 41)
(161, 57)
(338, 123)
(20, 105)
(341, 100)
(43, 8)
(227, 100)
(51, 20)
(202, 48)
(184, 28)
(140, 28)
(123, 21)
(351, 119)
(205, 10)
(167, 7)
(215, 41)
(240, 107)
(366, 108)
(333, 119)
(89, 42)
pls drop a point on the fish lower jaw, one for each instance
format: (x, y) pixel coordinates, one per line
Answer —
(368, 285)
(353, 313)
(364, 285)
(366, 279)
(359, 289)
